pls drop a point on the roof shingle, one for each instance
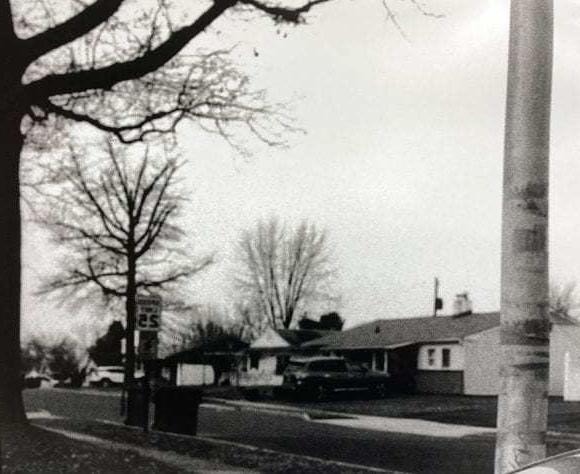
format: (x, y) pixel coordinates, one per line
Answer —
(391, 332)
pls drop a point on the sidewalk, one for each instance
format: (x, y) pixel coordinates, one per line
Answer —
(61, 445)
(366, 422)
(411, 426)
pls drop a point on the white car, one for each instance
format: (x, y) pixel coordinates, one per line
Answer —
(564, 463)
(109, 375)
(106, 376)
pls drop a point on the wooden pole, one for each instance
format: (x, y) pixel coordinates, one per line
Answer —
(436, 297)
(524, 332)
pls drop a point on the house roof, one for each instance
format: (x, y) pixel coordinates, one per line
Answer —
(284, 339)
(227, 346)
(385, 333)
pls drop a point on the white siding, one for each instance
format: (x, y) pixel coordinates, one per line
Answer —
(482, 359)
(265, 374)
(564, 339)
(431, 357)
(195, 374)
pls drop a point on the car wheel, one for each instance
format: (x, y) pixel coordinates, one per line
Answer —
(380, 390)
(321, 392)
(106, 383)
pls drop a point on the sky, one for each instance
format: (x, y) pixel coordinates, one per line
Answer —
(400, 162)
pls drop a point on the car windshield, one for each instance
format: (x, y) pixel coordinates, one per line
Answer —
(295, 365)
(328, 366)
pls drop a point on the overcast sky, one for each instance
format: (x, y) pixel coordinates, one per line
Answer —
(401, 162)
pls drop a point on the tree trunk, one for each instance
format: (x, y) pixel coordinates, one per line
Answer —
(11, 142)
(133, 417)
(523, 398)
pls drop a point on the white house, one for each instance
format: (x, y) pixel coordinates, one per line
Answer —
(267, 356)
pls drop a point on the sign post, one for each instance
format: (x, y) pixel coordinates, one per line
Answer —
(148, 313)
(148, 325)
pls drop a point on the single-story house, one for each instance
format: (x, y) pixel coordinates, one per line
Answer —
(267, 357)
(449, 354)
(213, 362)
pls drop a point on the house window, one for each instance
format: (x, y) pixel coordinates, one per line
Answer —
(380, 361)
(430, 357)
(281, 364)
(254, 361)
(446, 358)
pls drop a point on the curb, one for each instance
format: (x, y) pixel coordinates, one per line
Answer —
(257, 448)
(279, 409)
(314, 414)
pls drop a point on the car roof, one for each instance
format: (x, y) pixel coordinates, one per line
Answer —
(306, 360)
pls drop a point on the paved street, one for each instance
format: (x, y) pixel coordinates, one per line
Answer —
(300, 436)
(294, 434)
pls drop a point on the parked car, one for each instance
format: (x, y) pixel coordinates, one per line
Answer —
(564, 463)
(318, 377)
(36, 380)
(106, 376)
(109, 375)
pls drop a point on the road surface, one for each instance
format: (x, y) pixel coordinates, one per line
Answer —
(297, 435)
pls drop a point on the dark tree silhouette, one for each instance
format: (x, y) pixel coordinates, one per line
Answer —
(331, 321)
(119, 70)
(107, 349)
(125, 68)
(118, 227)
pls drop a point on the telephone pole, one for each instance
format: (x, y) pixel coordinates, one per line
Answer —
(524, 332)
(437, 302)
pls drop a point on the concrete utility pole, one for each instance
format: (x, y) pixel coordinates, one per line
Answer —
(523, 397)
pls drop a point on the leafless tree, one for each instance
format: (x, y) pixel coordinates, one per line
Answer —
(57, 357)
(117, 225)
(563, 300)
(283, 269)
(250, 318)
(123, 67)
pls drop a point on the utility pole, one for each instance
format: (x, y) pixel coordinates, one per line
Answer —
(524, 332)
(437, 302)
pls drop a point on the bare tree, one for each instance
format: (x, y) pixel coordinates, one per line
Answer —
(283, 270)
(59, 357)
(118, 225)
(563, 300)
(123, 71)
(524, 332)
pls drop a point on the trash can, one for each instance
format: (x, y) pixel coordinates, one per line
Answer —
(137, 407)
(176, 409)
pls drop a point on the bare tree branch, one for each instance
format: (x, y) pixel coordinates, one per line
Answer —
(89, 18)
(105, 78)
(115, 222)
(284, 14)
(283, 270)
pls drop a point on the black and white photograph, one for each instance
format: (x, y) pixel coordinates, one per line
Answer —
(290, 236)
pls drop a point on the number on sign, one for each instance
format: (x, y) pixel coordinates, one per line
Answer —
(153, 321)
(148, 321)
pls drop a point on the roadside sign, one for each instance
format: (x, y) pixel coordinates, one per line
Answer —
(148, 345)
(148, 313)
